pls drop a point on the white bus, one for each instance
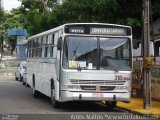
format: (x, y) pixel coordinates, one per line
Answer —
(81, 62)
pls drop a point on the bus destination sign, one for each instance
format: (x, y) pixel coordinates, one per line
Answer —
(98, 29)
(78, 30)
(108, 31)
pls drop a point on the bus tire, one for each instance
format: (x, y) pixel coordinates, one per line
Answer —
(111, 104)
(35, 92)
(26, 84)
(23, 83)
(55, 103)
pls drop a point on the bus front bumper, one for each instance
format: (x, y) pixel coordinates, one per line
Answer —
(87, 96)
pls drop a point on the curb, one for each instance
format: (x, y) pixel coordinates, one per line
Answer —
(152, 116)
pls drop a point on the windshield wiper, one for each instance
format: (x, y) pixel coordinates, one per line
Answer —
(115, 69)
(75, 51)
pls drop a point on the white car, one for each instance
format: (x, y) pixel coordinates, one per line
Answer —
(24, 78)
(20, 71)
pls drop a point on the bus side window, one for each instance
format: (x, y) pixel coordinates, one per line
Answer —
(32, 52)
(157, 48)
(45, 52)
(40, 52)
(41, 41)
(51, 51)
(56, 36)
(52, 39)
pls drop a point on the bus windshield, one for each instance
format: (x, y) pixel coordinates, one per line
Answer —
(97, 53)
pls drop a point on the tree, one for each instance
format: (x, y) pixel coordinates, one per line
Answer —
(126, 12)
(1, 14)
(37, 14)
(11, 20)
(1, 29)
(41, 15)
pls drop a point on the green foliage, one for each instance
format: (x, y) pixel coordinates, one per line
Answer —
(1, 14)
(1, 19)
(10, 21)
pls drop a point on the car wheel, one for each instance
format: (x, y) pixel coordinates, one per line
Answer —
(23, 83)
(21, 78)
(16, 78)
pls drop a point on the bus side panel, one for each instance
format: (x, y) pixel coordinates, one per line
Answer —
(49, 73)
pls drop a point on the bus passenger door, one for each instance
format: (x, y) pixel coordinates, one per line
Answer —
(57, 66)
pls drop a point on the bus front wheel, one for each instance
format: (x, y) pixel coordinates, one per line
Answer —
(55, 103)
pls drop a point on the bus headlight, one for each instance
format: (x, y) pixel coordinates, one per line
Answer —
(121, 88)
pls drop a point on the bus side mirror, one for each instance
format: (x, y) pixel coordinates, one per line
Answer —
(59, 44)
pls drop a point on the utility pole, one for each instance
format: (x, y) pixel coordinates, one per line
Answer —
(147, 59)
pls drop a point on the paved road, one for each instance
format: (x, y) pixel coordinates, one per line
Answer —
(17, 102)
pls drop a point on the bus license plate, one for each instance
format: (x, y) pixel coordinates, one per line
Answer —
(97, 95)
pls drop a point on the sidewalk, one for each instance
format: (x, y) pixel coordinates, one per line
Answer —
(8, 58)
(8, 65)
(7, 72)
(136, 105)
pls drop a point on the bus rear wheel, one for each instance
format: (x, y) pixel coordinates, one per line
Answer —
(35, 93)
(55, 103)
(16, 78)
(23, 83)
(111, 104)
(26, 84)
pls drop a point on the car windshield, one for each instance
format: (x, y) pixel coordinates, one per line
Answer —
(24, 65)
(96, 53)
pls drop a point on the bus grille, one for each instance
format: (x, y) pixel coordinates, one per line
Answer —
(102, 88)
(98, 82)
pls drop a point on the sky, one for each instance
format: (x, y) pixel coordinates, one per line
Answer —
(9, 4)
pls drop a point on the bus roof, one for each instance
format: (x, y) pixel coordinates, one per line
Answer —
(63, 26)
